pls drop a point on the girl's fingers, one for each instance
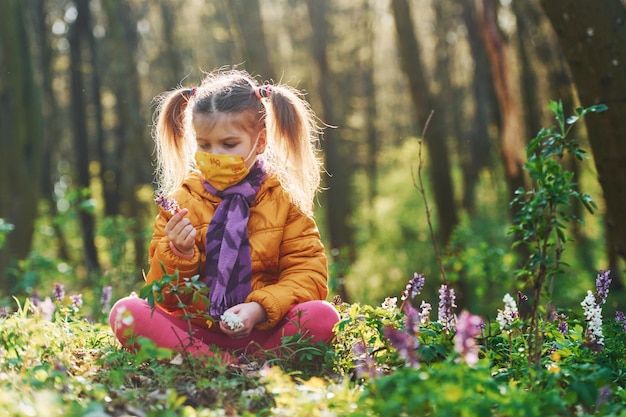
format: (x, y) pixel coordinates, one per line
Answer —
(176, 220)
(180, 231)
(184, 238)
(188, 235)
(177, 227)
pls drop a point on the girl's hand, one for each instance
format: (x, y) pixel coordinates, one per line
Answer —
(181, 232)
(250, 314)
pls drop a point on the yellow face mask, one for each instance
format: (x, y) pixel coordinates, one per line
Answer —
(221, 170)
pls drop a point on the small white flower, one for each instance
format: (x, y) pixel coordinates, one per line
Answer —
(425, 309)
(390, 303)
(507, 316)
(593, 316)
(232, 320)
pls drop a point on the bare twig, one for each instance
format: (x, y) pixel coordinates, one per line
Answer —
(419, 185)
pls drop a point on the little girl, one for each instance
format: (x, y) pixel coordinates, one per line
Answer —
(240, 161)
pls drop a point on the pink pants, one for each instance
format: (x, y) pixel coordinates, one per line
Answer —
(132, 317)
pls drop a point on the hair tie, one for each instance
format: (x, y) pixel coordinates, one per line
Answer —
(263, 91)
(192, 91)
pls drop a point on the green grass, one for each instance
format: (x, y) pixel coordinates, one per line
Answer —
(68, 365)
(383, 362)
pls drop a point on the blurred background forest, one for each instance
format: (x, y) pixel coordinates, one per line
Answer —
(77, 84)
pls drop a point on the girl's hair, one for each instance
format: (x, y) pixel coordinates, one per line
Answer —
(292, 131)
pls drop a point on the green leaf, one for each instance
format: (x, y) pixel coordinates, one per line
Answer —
(598, 108)
(150, 299)
(145, 291)
(553, 106)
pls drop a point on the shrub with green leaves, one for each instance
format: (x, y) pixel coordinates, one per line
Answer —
(543, 216)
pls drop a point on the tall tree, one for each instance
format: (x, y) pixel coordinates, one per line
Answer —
(170, 57)
(52, 121)
(424, 102)
(369, 89)
(21, 151)
(79, 32)
(338, 208)
(592, 37)
(132, 168)
(246, 14)
(509, 103)
(527, 22)
(483, 98)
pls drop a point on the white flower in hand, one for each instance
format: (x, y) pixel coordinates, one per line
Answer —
(232, 320)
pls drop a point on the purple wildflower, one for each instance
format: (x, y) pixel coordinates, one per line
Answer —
(603, 281)
(105, 299)
(168, 204)
(411, 320)
(604, 396)
(77, 300)
(467, 327)
(446, 304)
(405, 343)
(620, 318)
(553, 314)
(560, 319)
(35, 298)
(365, 364)
(59, 292)
(562, 325)
(414, 287)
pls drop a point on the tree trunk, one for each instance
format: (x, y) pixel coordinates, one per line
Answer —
(78, 33)
(424, 103)
(134, 161)
(527, 22)
(107, 171)
(371, 115)
(247, 16)
(592, 36)
(52, 117)
(484, 102)
(338, 208)
(170, 56)
(511, 122)
(21, 150)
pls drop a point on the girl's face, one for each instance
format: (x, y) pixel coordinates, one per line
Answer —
(229, 133)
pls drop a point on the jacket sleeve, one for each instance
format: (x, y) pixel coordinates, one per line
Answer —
(303, 270)
(163, 261)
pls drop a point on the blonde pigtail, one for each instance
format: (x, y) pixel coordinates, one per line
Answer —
(293, 151)
(174, 152)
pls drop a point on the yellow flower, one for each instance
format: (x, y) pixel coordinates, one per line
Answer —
(553, 368)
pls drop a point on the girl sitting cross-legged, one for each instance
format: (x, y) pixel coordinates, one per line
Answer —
(240, 161)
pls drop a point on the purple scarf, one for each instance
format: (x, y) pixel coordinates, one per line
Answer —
(228, 266)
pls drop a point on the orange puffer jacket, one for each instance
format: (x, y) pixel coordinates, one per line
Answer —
(288, 261)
